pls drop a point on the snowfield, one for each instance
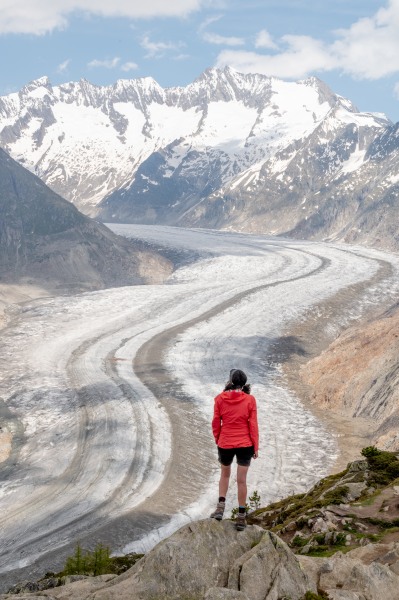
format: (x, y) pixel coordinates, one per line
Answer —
(112, 391)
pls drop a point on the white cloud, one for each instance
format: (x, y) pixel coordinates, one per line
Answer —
(158, 49)
(208, 21)
(264, 40)
(41, 16)
(215, 38)
(63, 66)
(396, 90)
(110, 63)
(303, 55)
(181, 56)
(129, 66)
(369, 49)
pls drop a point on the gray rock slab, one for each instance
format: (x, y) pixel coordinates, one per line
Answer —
(270, 571)
(217, 593)
(186, 565)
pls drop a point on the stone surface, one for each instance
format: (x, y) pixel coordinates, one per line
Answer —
(80, 589)
(344, 595)
(26, 596)
(205, 559)
(269, 571)
(349, 574)
(197, 557)
(320, 526)
(208, 560)
(217, 593)
(355, 490)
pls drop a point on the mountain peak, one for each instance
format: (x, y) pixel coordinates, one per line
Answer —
(242, 134)
(41, 82)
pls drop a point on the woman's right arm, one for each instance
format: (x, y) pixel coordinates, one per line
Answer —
(216, 421)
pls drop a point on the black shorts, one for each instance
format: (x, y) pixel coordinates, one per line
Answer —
(243, 455)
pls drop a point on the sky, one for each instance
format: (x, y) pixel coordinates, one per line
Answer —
(352, 45)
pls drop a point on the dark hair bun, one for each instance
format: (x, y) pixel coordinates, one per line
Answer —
(238, 378)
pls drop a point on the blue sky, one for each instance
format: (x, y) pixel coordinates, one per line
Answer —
(352, 45)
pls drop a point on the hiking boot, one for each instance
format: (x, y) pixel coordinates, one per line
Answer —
(218, 513)
(241, 522)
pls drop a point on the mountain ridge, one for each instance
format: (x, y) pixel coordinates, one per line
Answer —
(231, 151)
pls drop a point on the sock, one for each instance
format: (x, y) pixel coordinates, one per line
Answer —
(241, 510)
(222, 499)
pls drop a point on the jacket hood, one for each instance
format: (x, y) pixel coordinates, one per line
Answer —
(233, 396)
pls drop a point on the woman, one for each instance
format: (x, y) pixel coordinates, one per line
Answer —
(235, 429)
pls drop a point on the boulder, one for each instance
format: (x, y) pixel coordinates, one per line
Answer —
(269, 571)
(345, 577)
(24, 587)
(321, 526)
(78, 589)
(358, 465)
(206, 556)
(355, 490)
(386, 554)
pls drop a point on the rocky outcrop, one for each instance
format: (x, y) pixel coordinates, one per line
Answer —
(206, 555)
(208, 560)
(337, 541)
(343, 511)
(351, 576)
(204, 559)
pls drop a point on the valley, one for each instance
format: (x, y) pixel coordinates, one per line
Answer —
(107, 395)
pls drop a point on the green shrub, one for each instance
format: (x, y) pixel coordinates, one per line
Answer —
(120, 564)
(254, 500)
(319, 537)
(382, 523)
(84, 562)
(321, 595)
(301, 522)
(340, 539)
(298, 541)
(337, 495)
(370, 451)
(384, 465)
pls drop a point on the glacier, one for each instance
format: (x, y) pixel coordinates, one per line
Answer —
(111, 391)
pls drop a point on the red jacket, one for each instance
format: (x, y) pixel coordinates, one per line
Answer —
(235, 422)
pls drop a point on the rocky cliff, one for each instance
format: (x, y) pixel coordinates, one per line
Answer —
(358, 376)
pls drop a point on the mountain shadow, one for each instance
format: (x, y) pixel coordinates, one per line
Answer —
(45, 240)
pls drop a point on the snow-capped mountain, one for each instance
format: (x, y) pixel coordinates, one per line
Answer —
(228, 150)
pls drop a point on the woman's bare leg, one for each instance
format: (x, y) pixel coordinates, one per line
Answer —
(242, 484)
(224, 480)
